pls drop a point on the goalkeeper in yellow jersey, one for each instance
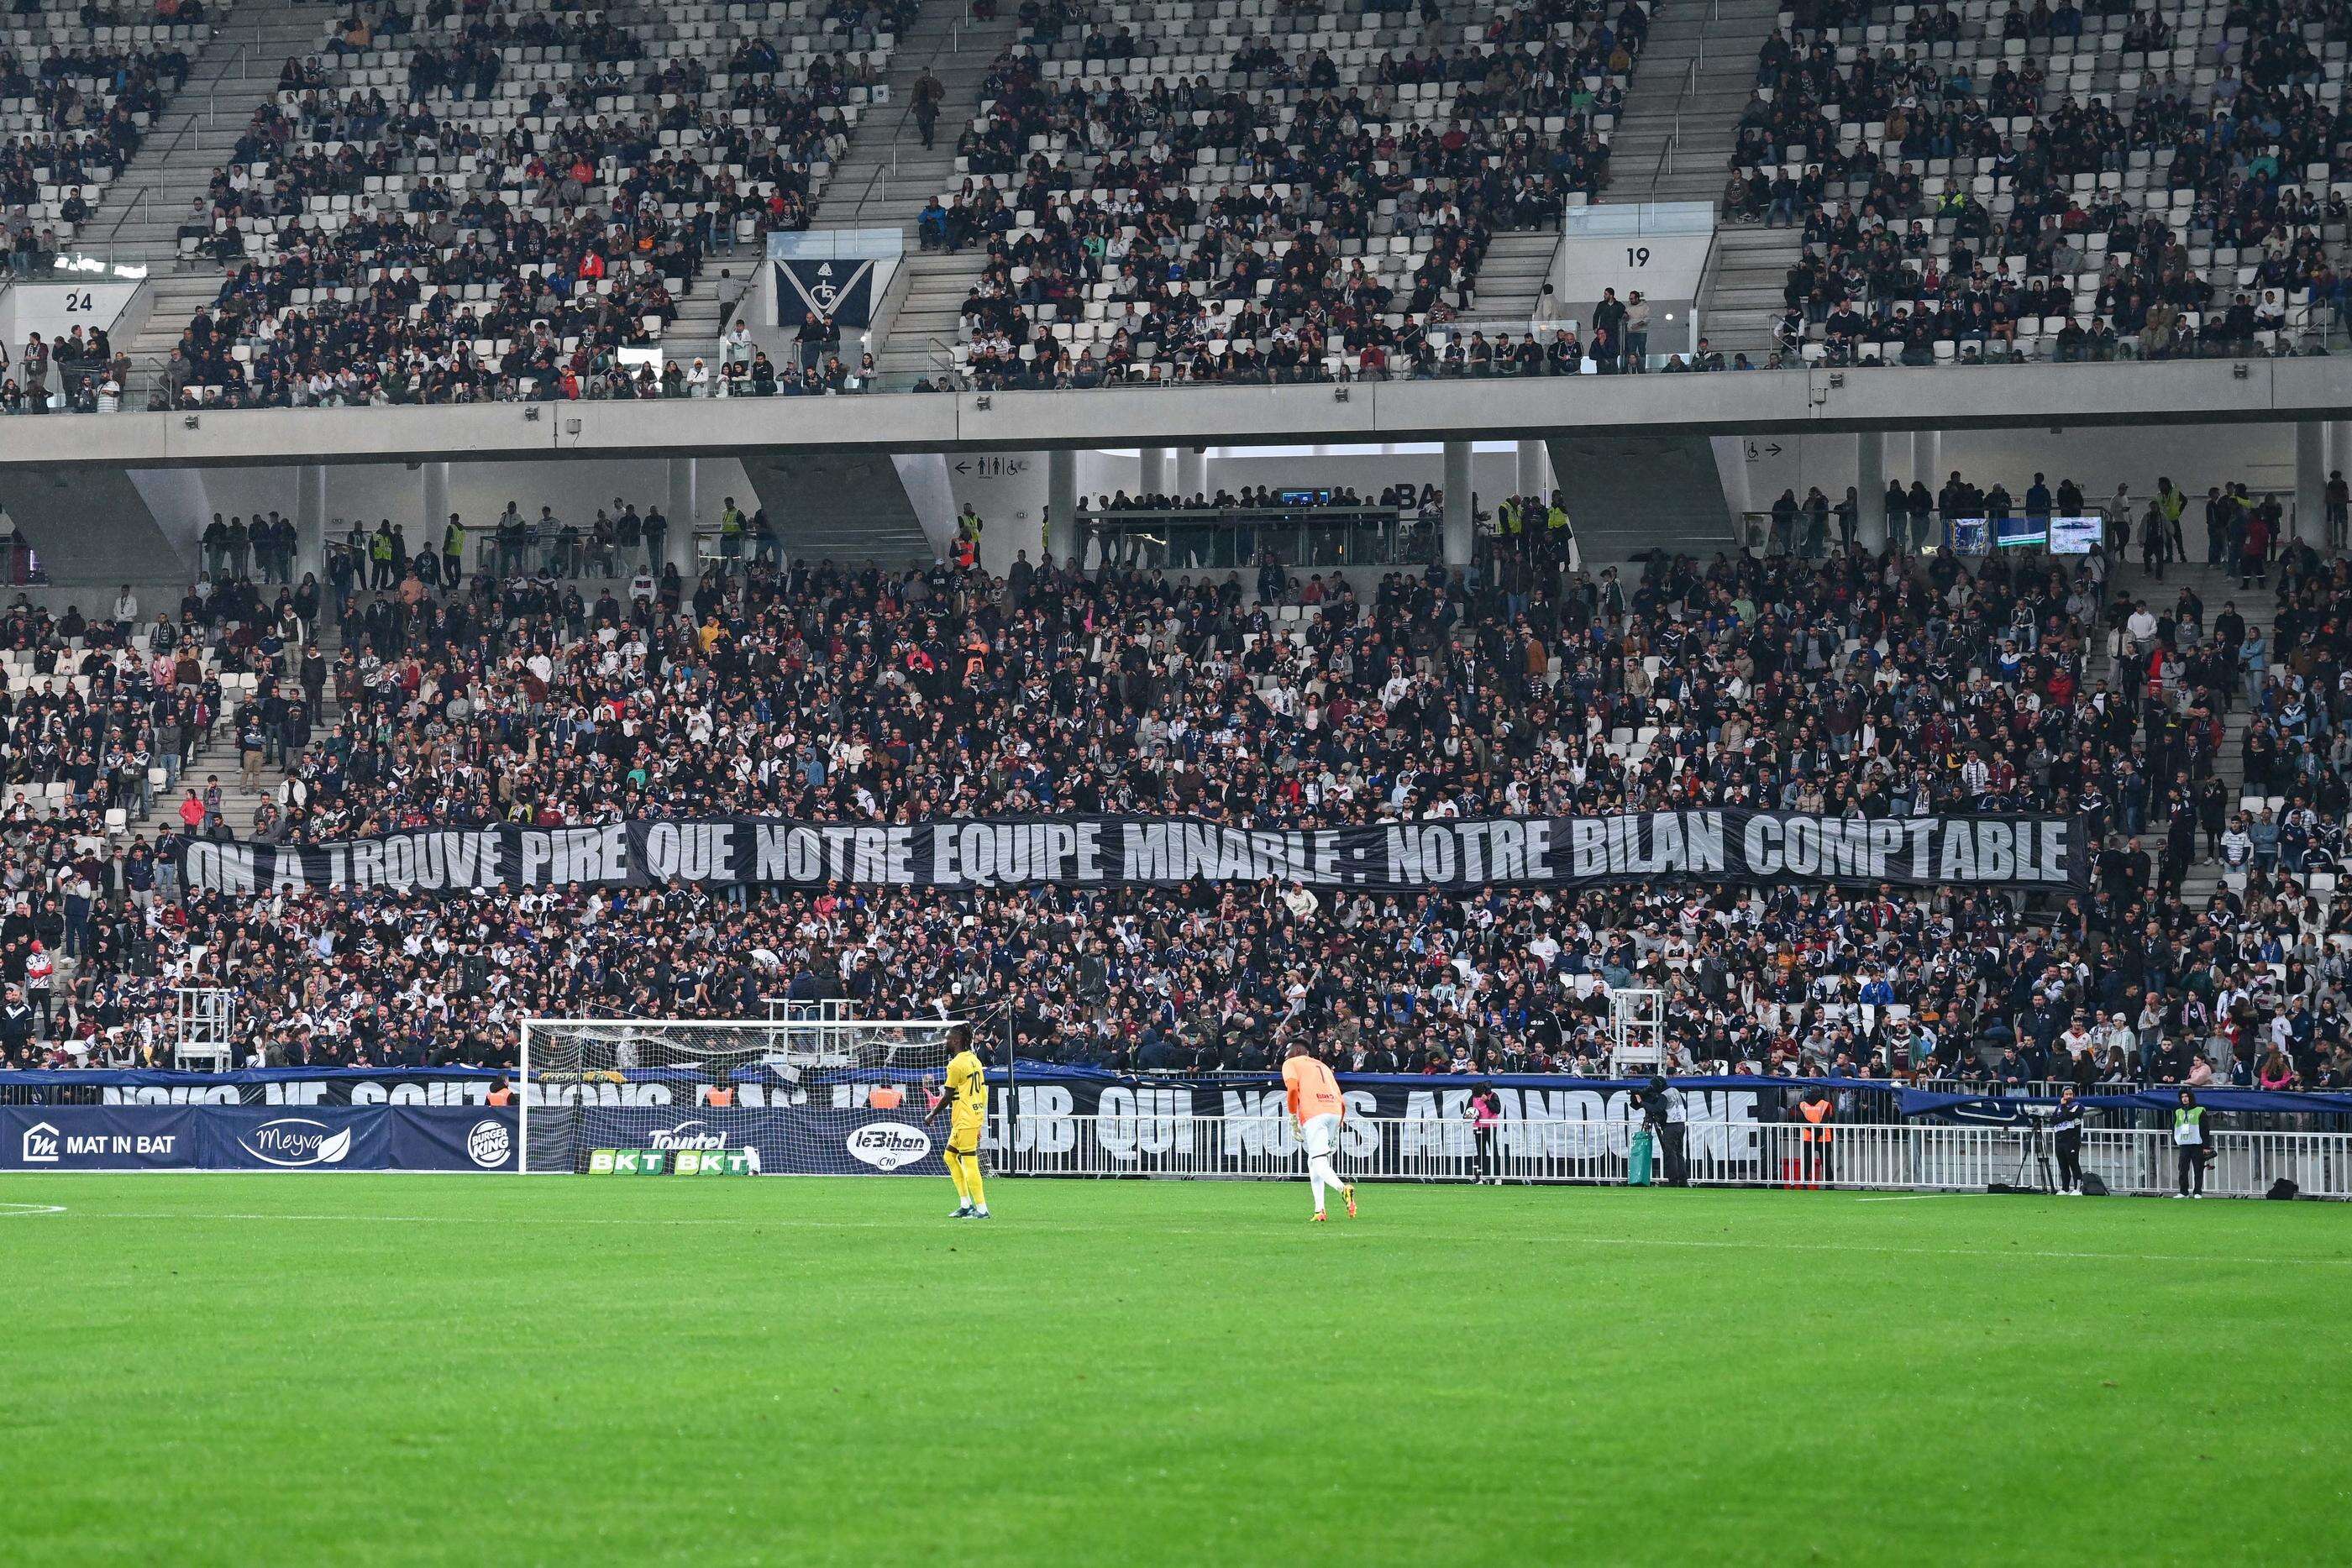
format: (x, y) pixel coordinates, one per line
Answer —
(966, 1103)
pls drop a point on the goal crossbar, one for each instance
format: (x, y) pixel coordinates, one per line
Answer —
(779, 1092)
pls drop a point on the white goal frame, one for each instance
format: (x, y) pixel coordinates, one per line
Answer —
(790, 1045)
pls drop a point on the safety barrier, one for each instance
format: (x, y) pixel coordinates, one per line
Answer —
(1915, 1156)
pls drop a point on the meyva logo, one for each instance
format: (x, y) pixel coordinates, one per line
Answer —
(41, 1146)
(685, 1136)
(887, 1146)
(295, 1141)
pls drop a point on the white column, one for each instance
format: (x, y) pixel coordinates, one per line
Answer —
(1191, 472)
(2339, 452)
(2310, 481)
(684, 511)
(1870, 488)
(1152, 471)
(437, 505)
(1534, 469)
(1927, 458)
(310, 522)
(1061, 540)
(1461, 524)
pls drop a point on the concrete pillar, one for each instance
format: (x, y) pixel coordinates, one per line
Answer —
(1870, 488)
(684, 511)
(1534, 469)
(437, 505)
(1927, 458)
(310, 522)
(1061, 540)
(1461, 524)
(2339, 452)
(1191, 472)
(1152, 476)
(2310, 481)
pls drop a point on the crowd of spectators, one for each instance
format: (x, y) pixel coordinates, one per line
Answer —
(2130, 183)
(1296, 215)
(1881, 686)
(462, 236)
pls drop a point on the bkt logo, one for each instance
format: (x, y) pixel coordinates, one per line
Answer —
(684, 1136)
(40, 1145)
(296, 1141)
(887, 1146)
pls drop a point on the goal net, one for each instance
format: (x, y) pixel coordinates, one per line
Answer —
(812, 1096)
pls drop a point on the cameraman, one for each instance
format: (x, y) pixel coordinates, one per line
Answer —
(1668, 1112)
(2066, 1127)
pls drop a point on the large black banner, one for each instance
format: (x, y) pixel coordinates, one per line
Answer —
(1457, 853)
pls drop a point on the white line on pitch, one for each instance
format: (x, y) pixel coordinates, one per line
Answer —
(1920, 1196)
(8, 1210)
(1564, 1238)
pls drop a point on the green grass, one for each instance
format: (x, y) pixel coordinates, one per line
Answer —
(350, 1368)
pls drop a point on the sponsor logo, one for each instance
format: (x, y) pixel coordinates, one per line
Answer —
(713, 1162)
(687, 1135)
(887, 1146)
(488, 1145)
(296, 1141)
(626, 1162)
(41, 1146)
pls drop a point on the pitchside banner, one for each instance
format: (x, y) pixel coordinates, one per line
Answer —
(247, 1137)
(797, 1140)
(1717, 845)
(255, 1086)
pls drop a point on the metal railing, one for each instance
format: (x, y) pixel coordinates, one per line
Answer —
(1906, 1156)
(1232, 537)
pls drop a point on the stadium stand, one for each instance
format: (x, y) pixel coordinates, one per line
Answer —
(2194, 718)
(1988, 181)
(79, 89)
(499, 204)
(1141, 224)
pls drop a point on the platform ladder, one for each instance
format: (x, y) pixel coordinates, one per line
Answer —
(207, 1022)
(1637, 1032)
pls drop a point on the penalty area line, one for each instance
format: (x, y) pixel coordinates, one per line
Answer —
(10, 1210)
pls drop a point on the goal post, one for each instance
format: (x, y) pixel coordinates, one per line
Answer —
(820, 1095)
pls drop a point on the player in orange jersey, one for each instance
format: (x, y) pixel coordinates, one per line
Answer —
(1318, 1114)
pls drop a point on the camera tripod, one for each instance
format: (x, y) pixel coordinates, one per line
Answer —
(2034, 1171)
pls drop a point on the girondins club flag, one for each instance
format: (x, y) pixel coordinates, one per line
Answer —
(837, 286)
(1721, 845)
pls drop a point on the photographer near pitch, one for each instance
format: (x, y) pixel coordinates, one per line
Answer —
(2192, 1141)
(2066, 1128)
(1667, 1110)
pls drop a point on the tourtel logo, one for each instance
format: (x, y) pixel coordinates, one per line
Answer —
(296, 1141)
(685, 1136)
(887, 1146)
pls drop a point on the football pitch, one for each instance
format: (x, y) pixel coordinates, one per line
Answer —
(418, 1369)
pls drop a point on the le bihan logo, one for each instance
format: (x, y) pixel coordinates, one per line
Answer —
(294, 1142)
(887, 1146)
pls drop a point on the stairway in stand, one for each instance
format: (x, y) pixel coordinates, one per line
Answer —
(1697, 73)
(2258, 606)
(218, 758)
(1513, 274)
(140, 220)
(887, 178)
